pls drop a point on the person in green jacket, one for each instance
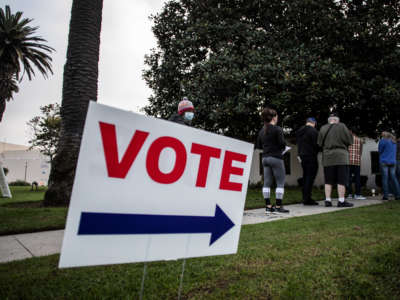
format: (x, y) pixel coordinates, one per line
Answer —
(334, 138)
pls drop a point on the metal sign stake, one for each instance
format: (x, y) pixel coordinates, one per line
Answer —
(183, 267)
(145, 268)
(143, 277)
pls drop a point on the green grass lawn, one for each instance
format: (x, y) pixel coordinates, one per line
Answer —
(25, 213)
(292, 195)
(347, 254)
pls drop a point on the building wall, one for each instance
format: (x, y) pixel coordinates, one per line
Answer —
(296, 171)
(28, 165)
(10, 147)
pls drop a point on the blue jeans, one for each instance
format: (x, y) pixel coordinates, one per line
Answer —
(389, 172)
(354, 171)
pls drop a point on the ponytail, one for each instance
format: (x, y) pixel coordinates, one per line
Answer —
(267, 115)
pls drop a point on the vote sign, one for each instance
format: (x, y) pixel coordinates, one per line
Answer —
(147, 189)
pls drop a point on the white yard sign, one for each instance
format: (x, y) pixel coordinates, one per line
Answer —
(147, 189)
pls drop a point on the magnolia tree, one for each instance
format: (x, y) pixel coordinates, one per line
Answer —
(304, 58)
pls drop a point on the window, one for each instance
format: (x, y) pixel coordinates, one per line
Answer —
(375, 162)
(286, 160)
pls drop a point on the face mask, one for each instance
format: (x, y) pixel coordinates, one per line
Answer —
(189, 115)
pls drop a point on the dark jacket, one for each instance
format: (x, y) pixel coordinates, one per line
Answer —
(177, 118)
(272, 141)
(307, 137)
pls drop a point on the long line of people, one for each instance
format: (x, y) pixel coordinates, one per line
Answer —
(341, 159)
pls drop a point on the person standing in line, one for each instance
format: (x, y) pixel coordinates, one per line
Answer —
(355, 153)
(307, 147)
(387, 159)
(271, 141)
(185, 113)
(398, 160)
(334, 138)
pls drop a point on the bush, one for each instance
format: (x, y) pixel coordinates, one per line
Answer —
(19, 183)
(257, 185)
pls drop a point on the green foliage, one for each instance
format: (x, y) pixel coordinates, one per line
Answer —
(20, 51)
(19, 183)
(46, 130)
(303, 57)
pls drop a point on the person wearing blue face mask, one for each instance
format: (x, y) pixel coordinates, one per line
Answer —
(185, 113)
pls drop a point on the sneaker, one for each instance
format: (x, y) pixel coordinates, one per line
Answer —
(269, 210)
(281, 209)
(328, 203)
(345, 204)
(359, 197)
(349, 196)
(310, 203)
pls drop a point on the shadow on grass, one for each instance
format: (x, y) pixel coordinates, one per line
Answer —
(26, 204)
(382, 269)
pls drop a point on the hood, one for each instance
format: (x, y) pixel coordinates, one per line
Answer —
(301, 131)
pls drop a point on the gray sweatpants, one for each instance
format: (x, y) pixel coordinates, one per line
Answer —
(273, 168)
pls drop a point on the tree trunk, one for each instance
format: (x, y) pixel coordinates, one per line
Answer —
(79, 87)
(2, 107)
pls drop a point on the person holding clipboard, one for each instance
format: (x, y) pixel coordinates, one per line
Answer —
(271, 141)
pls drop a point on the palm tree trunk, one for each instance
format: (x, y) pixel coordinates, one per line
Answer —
(2, 107)
(79, 87)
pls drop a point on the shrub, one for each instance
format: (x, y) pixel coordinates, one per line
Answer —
(19, 183)
(257, 185)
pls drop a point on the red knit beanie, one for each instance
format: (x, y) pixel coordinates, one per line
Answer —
(185, 105)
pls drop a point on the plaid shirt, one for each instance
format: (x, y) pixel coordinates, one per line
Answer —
(355, 151)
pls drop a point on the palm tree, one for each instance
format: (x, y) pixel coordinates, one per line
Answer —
(20, 51)
(79, 87)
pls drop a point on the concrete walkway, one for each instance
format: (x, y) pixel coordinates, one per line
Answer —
(21, 246)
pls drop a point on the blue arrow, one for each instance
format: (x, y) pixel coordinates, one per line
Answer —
(92, 223)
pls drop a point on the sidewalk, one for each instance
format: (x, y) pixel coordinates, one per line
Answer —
(21, 246)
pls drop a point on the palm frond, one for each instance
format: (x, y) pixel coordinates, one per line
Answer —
(20, 49)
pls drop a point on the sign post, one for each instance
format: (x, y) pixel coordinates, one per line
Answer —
(147, 189)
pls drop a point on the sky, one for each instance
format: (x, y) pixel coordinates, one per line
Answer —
(126, 37)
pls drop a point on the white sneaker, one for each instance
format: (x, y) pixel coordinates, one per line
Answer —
(350, 196)
(359, 197)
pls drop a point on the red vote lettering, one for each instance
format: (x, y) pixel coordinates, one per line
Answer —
(228, 169)
(119, 169)
(153, 156)
(114, 167)
(205, 153)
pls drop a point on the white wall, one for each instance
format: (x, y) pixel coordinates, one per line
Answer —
(26, 165)
(297, 171)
